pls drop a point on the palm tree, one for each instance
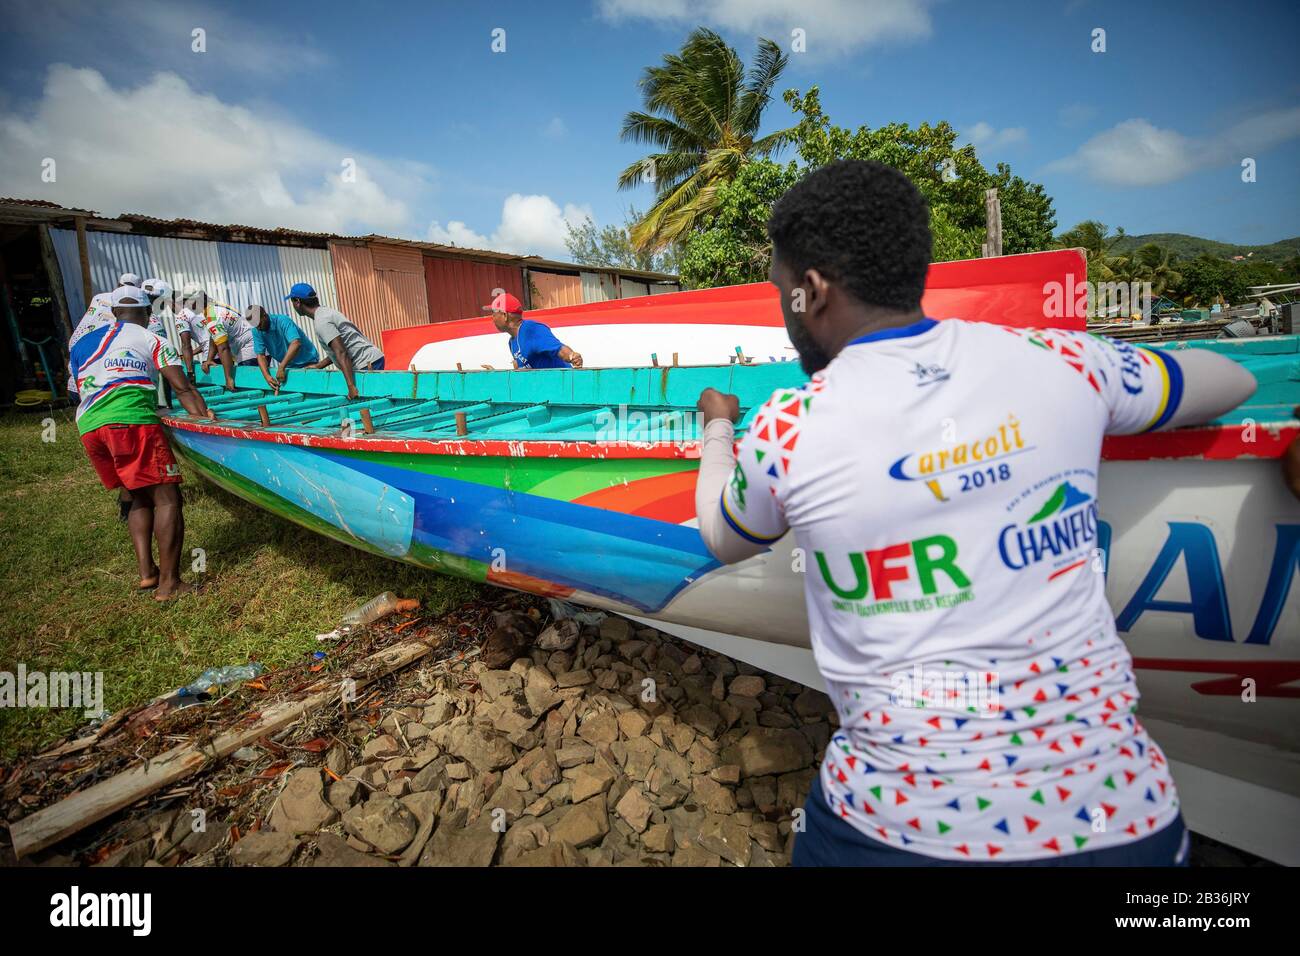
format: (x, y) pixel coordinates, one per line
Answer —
(702, 111)
(1158, 268)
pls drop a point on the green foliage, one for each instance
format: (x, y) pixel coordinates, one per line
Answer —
(732, 247)
(702, 111)
(612, 246)
(1182, 246)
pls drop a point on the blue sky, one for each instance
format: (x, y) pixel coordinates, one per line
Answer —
(451, 141)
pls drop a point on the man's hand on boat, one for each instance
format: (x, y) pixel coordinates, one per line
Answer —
(714, 404)
(570, 356)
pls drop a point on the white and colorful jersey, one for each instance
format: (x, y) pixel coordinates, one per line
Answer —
(215, 323)
(98, 314)
(159, 328)
(116, 368)
(941, 482)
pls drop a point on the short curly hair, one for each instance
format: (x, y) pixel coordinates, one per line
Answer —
(861, 224)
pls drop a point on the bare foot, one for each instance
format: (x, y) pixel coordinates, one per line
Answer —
(180, 589)
(151, 582)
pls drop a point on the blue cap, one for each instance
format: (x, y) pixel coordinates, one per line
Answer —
(301, 290)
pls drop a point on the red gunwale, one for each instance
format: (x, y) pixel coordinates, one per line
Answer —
(1222, 443)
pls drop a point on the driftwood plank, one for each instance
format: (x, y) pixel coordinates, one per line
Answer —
(60, 820)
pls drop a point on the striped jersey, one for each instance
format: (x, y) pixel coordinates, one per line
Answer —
(116, 365)
(941, 483)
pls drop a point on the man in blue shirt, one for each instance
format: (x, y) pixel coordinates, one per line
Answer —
(532, 344)
(278, 337)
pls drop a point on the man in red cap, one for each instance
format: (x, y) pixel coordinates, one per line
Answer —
(532, 344)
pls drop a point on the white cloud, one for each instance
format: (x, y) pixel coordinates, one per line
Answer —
(158, 33)
(985, 136)
(167, 150)
(530, 225)
(832, 26)
(1138, 153)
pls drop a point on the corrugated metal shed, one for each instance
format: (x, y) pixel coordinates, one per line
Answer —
(552, 290)
(110, 254)
(592, 288)
(630, 288)
(459, 288)
(380, 286)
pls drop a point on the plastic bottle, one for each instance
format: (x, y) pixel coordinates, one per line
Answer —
(381, 606)
(218, 676)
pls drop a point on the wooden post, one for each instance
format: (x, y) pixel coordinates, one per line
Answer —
(84, 252)
(366, 424)
(55, 276)
(992, 224)
(654, 359)
(462, 425)
(458, 367)
(674, 359)
(264, 415)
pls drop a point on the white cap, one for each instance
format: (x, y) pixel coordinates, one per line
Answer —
(156, 288)
(192, 289)
(128, 296)
(129, 278)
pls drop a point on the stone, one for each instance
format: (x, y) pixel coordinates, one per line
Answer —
(725, 837)
(792, 789)
(635, 809)
(381, 747)
(703, 720)
(544, 772)
(747, 685)
(497, 684)
(578, 678)
(692, 664)
(633, 723)
(615, 629)
(484, 750)
(692, 855)
(713, 796)
(573, 754)
(599, 728)
(560, 636)
(812, 703)
(264, 848)
(590, 780)
(424, 807)
(769, 750)
(584, 824)
(454, 844)
(383, 823)
(539, 692)
(658, 838)
(727, 773)
(301, 807)
(553, 854)
(767, 835)
(333, 850)
(343, 794)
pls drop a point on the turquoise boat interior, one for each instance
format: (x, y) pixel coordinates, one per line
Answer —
(583, 405)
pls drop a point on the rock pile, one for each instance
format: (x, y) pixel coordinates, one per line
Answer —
(609, 745)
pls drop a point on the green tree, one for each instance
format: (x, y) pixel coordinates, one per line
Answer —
(1097, 241)
(702, 112)
(733, 247)
(612, 245)
(1206, 280)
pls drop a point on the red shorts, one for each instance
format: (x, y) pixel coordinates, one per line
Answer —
(131, 456)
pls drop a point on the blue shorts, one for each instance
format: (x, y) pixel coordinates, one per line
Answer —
(829, 841)
(377, 366)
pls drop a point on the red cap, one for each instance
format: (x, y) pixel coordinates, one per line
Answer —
(505, 302)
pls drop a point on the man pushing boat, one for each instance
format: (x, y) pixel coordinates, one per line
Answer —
(118, 421)
(342, 341)
(941, 482)
(532, 343)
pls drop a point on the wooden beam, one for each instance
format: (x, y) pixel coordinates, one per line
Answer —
(462, 424)
(366, 424)
(84, 252)
(60, 820)
(264, 415)
(992, 224)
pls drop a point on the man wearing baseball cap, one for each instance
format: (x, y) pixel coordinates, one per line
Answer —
(532, 344)
(119, 426)
(347, 347)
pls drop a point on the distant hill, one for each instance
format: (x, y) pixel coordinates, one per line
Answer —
(1189, 247)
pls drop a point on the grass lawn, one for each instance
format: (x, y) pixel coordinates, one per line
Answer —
(68, 598)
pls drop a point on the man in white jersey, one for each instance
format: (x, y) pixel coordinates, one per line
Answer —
(941, 478)
(119, 427)
(208, 322)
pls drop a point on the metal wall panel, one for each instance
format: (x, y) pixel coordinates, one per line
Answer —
(182, 261)
(552, 290)
(380, 286)
(459, 288)
(630, 288)
(592, 290)
(659, 288)
(110, 253)
(314, 267)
